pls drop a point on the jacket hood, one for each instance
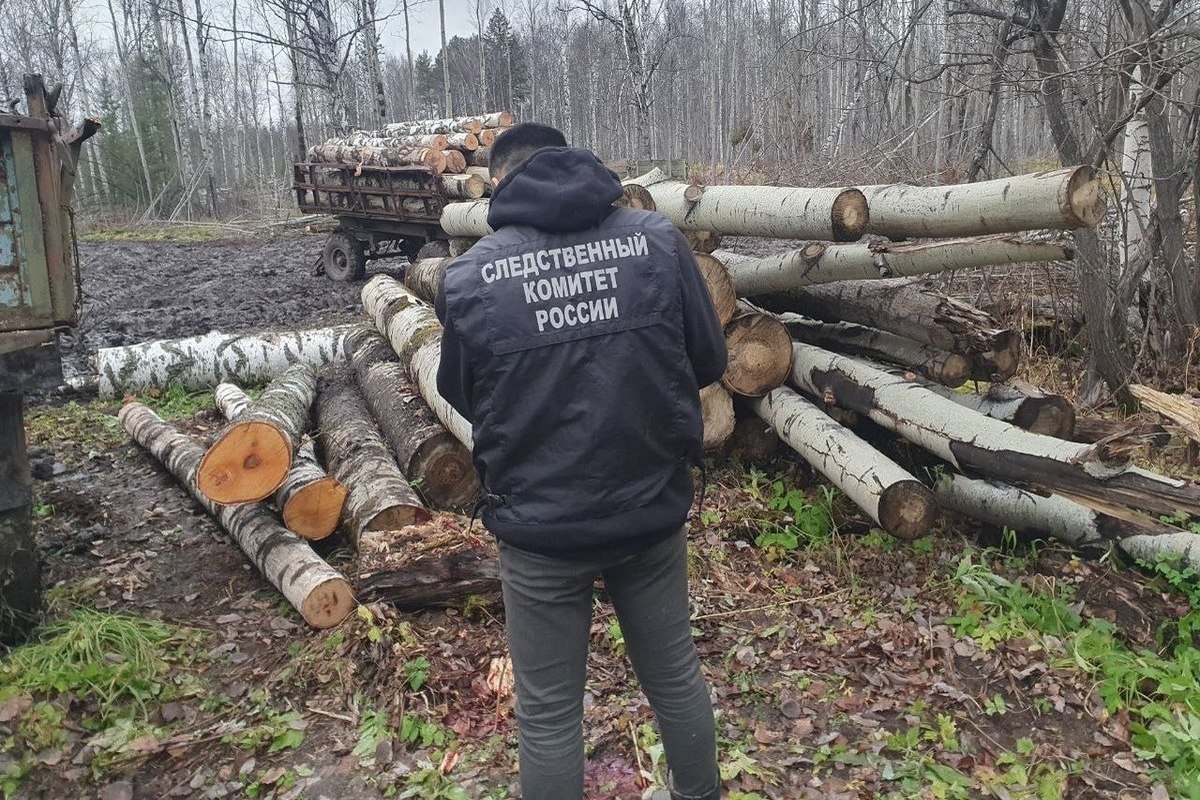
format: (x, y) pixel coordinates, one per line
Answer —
(557, 189)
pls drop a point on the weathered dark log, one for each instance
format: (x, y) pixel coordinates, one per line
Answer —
(1025, 406)
(753, 441)
(439, 563)
(380, 497)
(428, 454)
(949, 369)
(914, 311)
(1119, 438)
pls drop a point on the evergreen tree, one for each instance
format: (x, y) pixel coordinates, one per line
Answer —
(507, 67)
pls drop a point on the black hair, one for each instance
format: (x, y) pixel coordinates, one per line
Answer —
(520, 142)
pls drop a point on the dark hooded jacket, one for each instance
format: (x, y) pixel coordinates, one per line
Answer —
(575, 340)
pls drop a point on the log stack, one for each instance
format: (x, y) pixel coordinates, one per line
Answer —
(449, 148)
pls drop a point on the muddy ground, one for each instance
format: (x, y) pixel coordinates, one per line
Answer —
(840, 667)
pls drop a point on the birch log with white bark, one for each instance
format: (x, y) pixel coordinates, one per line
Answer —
(433, 160)
(202, 362)
(897, 501)
(779, 212)
(365, 139)
(309, 499)
(980, 445)
(466, 219)
(915, 311)
(414, 332)
(427, 453)
(463, 186)
(424, 277)
(462, 141)
(821, 262)
(949, 369)
(1058, 199)
(455, 161)
(315, 589)
(446, 125)
(251, 456)
(1007, 506)
(380, 498)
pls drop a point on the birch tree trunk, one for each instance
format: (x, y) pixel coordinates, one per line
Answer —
(427, 453)
(315, 589)
(897, 501)
(202, 362)
(819, 262)
(779, 212)
(1061, 199)
(414, 332)
(380, 498)
(309, 499)
(976, 444)
(1074, 523)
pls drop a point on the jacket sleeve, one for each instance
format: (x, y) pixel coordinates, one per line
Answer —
(701, 328)
(455, 380)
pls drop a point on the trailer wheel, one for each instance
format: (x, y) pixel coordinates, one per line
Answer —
(344, 258)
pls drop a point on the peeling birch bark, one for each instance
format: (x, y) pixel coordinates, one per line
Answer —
(976, 444)
(315, 589)
(897, 501)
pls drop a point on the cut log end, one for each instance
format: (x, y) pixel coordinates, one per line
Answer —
(760, 355)
(1052, 415)
(247, 464)
(720, 287)
(635, 196)
(907, 510)
(313, 511)
(328, 604)
(449, 477)
(716, 407)
(850, 216)
(1083, 204)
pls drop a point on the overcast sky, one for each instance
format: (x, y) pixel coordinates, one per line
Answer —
(426, 33)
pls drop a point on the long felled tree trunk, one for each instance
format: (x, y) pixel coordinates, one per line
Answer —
(201, 362)
(309, 499)
(315, 589)
(976, 444)
(948, 369)
(252, 455)
(427, 453)
(821, 262)
(1061, 199)
(887, 493)
(839, 215)
(380, 499)
(1006, 506)
(909, 309)
(414, 332)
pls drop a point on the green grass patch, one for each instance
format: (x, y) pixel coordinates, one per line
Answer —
(111, 658)
(175, 403)
(1159, 689)
(93, 425)
(180, 234)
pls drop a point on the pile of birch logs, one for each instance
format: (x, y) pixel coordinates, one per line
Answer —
(839, 352)
(457, 149)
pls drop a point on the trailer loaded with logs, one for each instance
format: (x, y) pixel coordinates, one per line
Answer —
(387, 187)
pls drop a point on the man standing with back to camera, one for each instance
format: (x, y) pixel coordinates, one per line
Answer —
(575, 340)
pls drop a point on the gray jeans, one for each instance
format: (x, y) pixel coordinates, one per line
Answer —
(548, 608)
